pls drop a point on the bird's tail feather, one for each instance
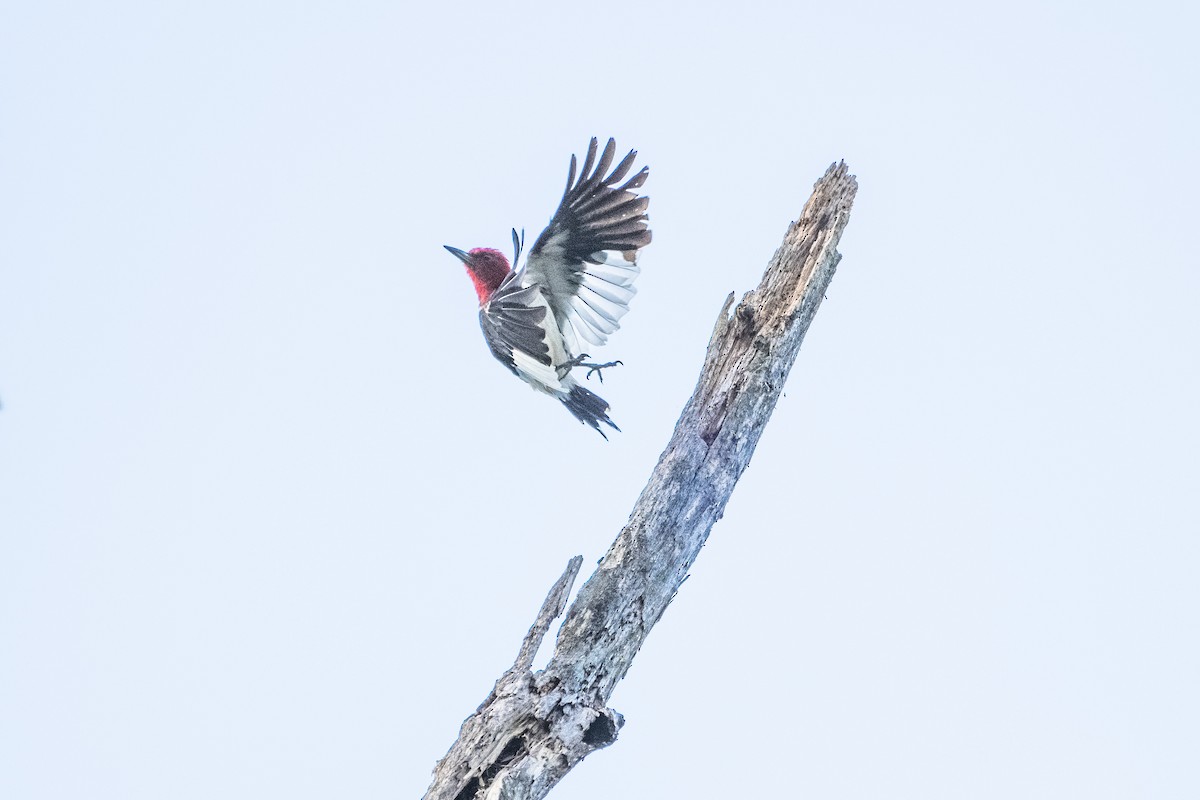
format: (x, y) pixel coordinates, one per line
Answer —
(589, 408)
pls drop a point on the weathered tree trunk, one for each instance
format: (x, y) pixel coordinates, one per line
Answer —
(534, 727)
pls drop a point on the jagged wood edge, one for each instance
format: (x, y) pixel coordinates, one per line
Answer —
(534, 727)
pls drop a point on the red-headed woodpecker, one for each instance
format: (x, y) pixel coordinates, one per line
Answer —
(576, 283)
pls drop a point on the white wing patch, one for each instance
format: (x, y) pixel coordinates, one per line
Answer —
(605, 290)
(544, 377)
(539, 375)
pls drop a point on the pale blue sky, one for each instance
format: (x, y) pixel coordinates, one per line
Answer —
(272, 520)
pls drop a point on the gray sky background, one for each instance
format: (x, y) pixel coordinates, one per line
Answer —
(272, 520)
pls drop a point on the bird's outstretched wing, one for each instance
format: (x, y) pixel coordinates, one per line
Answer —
(514, 326)
(586, 258)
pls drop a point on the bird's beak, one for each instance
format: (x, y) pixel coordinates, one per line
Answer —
(459, 254)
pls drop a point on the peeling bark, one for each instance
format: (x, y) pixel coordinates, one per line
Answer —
(534, 727)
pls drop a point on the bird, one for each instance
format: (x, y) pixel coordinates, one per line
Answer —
(576, 282)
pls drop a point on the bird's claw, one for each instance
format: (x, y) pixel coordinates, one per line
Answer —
(597, 367)
(580, 361)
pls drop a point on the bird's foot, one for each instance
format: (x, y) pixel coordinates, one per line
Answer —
(597, 367)
(581, 361)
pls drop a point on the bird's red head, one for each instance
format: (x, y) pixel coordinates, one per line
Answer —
(487, 269)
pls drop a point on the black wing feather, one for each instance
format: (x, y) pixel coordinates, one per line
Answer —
(594, 213)
(509, 323)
